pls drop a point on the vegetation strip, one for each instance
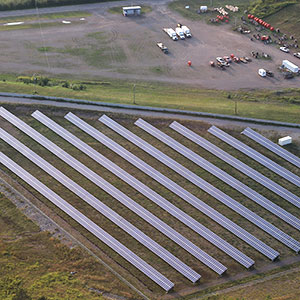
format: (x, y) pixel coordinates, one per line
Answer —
(155, 109)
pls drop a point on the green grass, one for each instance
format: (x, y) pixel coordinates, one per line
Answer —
(264, 8)
(39, 265)
(118, 9)
(95, 52)
(280, 105)
(50, 16)
(287, 20)
(23, 4)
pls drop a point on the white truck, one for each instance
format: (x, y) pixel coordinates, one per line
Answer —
(186, 31)
(171, 33)
(180, 33)
(290, 66)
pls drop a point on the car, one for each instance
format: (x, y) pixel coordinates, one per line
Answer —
(297, 54)
(269, 73)
(221, 61)
(284, 49)
(162, 47)
(227, 59)
(243, 60)
(248, 59)
(288, 75)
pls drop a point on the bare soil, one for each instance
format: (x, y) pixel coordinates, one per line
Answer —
(110, 45)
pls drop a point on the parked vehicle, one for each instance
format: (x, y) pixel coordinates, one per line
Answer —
(243, 60)
(236, 59)
(269, 73)
(227, 59)
(222, 61)
(262, 72)
(288, 75)
(297, 54)
(248, 59)
(180, 33)
(186, 31)
(284, 49)
(171, 33)
(162, 47)
(290, 66)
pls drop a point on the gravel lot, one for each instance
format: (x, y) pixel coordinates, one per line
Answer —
(112, 46)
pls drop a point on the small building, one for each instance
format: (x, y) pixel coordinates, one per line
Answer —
(131, 11)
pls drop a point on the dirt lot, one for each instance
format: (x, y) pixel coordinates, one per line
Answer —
(110, 45)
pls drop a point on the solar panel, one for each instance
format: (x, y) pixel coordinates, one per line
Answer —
(234, 162)
(209, 188)
(213, 191)
(193, 224)
(89, 198)
(268, 163)
(293, 159)
(178, 190)
(93, 228)
(219, 173)
(153, 220)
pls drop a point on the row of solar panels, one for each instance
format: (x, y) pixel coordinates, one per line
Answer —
(152, 195)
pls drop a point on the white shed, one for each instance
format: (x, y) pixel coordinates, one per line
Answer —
(131, 11)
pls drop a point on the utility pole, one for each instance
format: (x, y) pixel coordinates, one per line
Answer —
(235, 107)
(133, 90)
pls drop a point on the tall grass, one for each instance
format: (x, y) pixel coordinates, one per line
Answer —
(22, 4)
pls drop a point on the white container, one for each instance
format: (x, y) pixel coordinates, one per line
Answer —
(290, 66)
(262, 72)
(285, 141)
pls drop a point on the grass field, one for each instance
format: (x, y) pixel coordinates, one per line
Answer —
(280, 105)
(200, 128)
(39, 265)
(23, 4)
(49, 16)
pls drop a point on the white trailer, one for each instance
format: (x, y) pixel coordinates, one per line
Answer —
(285, 140)
(171, 33)
(290, 66)
(186, 31)
(180, 33)
(131, 11)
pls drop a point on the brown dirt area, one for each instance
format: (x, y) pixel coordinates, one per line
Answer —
(112, 46)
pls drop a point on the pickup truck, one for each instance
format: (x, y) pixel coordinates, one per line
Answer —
(171, 33)
(162, 47)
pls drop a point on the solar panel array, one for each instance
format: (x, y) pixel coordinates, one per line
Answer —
(293, 159)
(265, 161)
(102, 208)
(89, 198)
(193, 200)
(239, 165)
(210, 189)
(207, 187)
(153, 220)
(230, 180)
(157, 223)
(93, 228)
